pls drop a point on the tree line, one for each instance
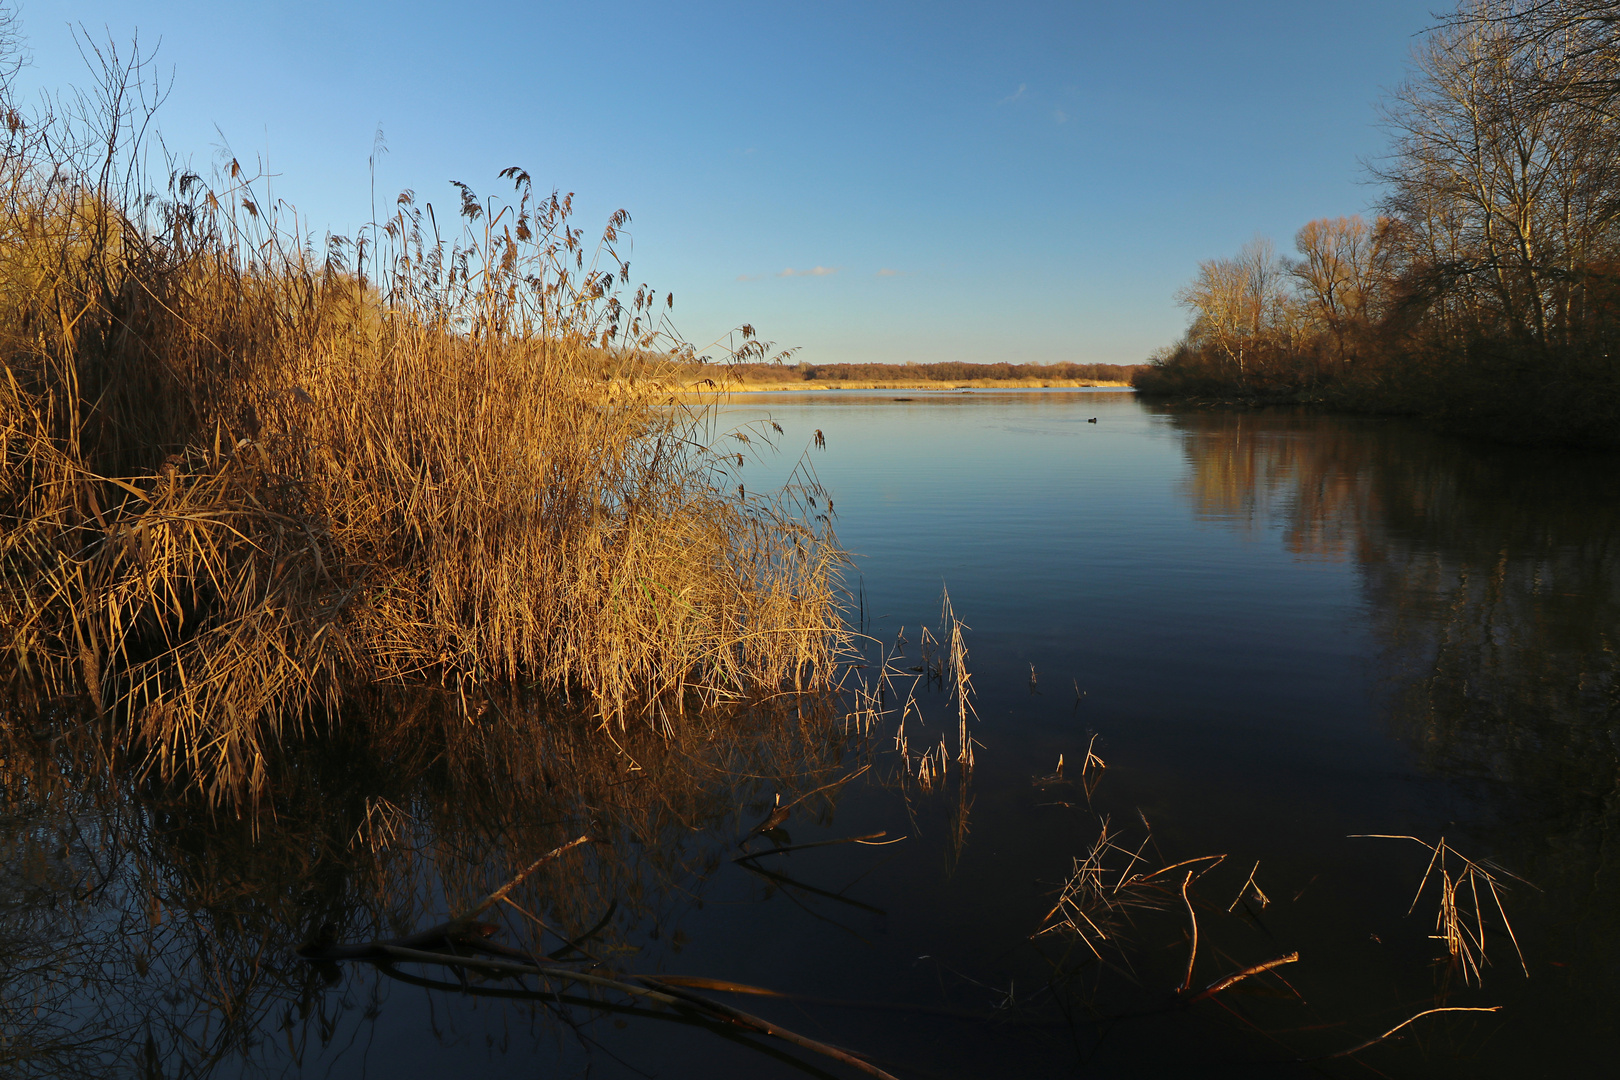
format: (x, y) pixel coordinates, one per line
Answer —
(1484, 290)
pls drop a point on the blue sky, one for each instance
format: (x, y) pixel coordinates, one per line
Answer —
(1028, 182)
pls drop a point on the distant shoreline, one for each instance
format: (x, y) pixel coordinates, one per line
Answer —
(815, 385)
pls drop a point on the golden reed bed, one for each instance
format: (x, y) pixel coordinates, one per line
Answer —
(241, 475)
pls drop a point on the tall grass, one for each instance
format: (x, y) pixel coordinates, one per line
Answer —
(242, 473)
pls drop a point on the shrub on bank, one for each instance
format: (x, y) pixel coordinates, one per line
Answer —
(1509, 391)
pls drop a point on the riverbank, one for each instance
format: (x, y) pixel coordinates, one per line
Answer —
(742, 377)
(817, 385)
(1567, 399)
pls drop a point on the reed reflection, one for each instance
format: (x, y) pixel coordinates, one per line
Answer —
(139, 934)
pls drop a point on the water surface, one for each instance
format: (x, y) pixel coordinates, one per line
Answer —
(1281, 629)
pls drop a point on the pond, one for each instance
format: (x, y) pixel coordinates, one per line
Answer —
(1282, 636)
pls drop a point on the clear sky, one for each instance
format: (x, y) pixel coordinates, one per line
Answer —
(1028, 182)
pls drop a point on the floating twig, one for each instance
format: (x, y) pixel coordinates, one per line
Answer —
(780, 812)
(1238, 976)
(1419, 1016)
(869, 838)
(1192, 953)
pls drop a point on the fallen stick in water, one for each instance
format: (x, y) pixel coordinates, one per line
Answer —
(467, 933)
(464, 929)
(651, 988)
(1419, 1016)
(1238, 976)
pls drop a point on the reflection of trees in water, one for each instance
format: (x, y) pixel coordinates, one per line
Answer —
(1493, 578)
(140, 935)
(1251, 471)
(1499, 599)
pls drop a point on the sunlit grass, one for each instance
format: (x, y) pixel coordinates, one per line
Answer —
(242, 474)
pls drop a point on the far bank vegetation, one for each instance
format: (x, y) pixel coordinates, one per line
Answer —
(1485, 290)
(811, 376)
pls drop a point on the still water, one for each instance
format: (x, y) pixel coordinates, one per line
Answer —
(1278, 631)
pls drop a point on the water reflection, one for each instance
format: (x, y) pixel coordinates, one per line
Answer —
(1492, 581)
(139, 934)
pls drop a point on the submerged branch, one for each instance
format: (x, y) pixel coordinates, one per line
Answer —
(643, 986)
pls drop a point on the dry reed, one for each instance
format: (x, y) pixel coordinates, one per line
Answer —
(1099, 900)
(944, 662)
(1460, 918)
(240, 475)
(958, 681)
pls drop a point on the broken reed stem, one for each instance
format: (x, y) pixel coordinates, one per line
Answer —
(1419, 1016)
(1091, 757)
(867, 839)
(842, 780)
(961, 687)
(1247, 885)
(1192, 916)
(1096, 900)
(500, 894)
(1213, 860)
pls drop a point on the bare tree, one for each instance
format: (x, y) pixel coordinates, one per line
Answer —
(1510, 190)
(1585, 33)
(1240, 302)
(12, 54)
(1338, 275)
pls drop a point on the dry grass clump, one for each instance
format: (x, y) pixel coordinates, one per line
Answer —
(1097, 903)
(943, 659)
(240, 473)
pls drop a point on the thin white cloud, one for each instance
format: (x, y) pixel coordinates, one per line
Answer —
(814, 271)
(1017, 95)
(887, 272)
(1060, 116)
